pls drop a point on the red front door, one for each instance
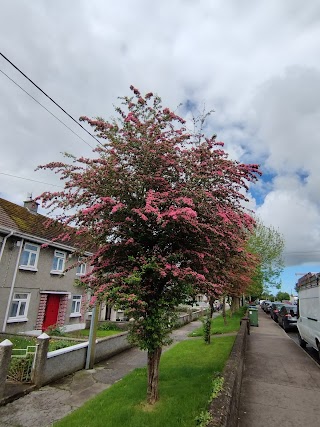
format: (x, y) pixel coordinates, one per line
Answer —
(51, 314)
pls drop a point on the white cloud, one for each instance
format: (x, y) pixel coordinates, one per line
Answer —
(255, 63)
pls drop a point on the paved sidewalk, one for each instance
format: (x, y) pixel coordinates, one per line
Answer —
(281, 383)
(42, 407)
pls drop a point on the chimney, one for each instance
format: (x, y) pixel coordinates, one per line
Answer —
(31, 205)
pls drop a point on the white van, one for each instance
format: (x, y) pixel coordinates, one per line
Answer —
(309, 310)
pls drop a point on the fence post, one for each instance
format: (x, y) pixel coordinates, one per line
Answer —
(38, 370)
(5, 357)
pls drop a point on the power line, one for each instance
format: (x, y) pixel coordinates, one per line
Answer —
(29, 179)
(42, 91)
(45, 108)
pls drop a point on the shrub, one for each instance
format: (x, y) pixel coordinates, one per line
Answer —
(56, 331)
(108, 326)
(20, 368)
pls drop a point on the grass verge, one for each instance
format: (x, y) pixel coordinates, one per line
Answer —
(218, 326)
(186, 373)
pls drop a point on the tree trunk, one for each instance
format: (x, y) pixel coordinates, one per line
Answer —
(211, 303)
(235, 304)
(153, 375)
(224, 310)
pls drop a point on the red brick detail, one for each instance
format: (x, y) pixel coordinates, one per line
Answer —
(62, 310)
(83, 308)
(41, 311)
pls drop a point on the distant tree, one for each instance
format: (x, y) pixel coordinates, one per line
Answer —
(268, 244)
(162, 207)
(283, 296)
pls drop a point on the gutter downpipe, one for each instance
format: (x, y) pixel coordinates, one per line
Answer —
(12, 286)
(4, 243)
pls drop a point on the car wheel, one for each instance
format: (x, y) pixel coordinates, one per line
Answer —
(302, 342)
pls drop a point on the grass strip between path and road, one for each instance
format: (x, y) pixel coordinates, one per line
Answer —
(218, 326)
(186, 374)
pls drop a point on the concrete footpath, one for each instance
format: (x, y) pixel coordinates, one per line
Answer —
(281, 383)
(41, 408)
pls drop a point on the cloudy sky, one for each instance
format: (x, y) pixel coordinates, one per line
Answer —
(257, 64)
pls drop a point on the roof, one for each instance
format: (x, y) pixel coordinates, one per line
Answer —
(20, 220)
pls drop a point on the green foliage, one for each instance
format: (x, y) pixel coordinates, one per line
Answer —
(268, 244)
(207, 328)
(84, 333)
(20, 368)
(203, 419)
(56, 331)
(283, 296)
(186, 373)
(108, 326)
(19, 341)
(58, 344)
(217, 386)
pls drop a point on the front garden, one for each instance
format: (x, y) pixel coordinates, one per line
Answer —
(190, 376)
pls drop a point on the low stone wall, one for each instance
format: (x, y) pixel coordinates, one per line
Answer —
(67, 360)
(110, 346)
(185, 318)
(50, 366)
(224, 408)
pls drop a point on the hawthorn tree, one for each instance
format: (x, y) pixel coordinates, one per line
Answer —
(157, 203)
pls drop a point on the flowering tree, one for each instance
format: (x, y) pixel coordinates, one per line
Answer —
(158, 204)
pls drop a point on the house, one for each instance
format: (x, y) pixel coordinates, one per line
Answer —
(35, 291)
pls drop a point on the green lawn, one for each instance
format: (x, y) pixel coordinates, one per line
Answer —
(218, 326)
(186, 373)
(84, 333)
(22, 342)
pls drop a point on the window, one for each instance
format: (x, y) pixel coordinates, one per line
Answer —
(29, 257)
(19, 307)
(81, 268)
(58, 262)
(76, 306)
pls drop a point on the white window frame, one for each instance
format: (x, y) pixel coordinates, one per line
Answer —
(28, 265)
(61, 255)
(81, 267)
(77, 300)
(26, 300)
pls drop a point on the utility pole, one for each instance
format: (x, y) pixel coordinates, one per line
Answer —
(92, 337)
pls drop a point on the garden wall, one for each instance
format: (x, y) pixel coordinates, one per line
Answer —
(65, 361)
(224, 408)
(50, 366)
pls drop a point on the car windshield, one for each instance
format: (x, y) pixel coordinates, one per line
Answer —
(292, 309)
(278, 305)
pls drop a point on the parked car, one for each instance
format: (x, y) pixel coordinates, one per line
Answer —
(264, 304)
(267, 306)
(288, 317)
(274, 310)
